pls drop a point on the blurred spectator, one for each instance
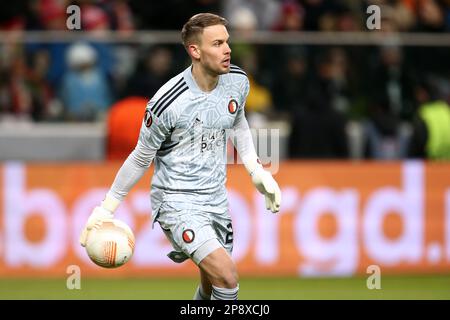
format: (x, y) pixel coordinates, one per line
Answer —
(431, 128)
(291, 17)
(151, 73)
(345, 20)
(266, 11)
(385, 139)
(17, 98)
(403, 14)
(389, 93)
(289, 89)
(84, 91)
(243, 20)
(392, 80)
(447, 15)
(318, 130)
(24, 93)
(124, 121)
(44, 101)
(288, 85)
(319, 13)
(340, 78)
(123, 17)
(52, 14)
(332, 77)
(94, 18)
(431, 16)
(112, 14)
(336, 16)
(13, 15)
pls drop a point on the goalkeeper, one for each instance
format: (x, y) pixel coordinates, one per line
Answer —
(184, 132)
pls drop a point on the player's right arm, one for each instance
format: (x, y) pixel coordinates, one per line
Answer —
(153, 132)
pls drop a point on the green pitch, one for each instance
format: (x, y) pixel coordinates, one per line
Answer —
(392, 287)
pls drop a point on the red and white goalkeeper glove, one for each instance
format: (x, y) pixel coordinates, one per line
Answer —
(100, 213)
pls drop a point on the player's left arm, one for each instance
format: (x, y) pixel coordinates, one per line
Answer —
(243, 142)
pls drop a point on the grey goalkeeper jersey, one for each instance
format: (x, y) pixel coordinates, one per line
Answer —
(185, 132)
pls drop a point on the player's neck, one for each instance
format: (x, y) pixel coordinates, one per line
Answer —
(204, 80)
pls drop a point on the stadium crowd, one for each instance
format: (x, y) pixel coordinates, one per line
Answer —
(400, 95)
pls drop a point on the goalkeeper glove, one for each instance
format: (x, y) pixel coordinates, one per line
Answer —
(100, 213)
(267, 185)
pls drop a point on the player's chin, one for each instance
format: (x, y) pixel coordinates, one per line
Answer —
(223, 68)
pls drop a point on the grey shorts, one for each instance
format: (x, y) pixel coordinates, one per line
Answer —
(194, 233)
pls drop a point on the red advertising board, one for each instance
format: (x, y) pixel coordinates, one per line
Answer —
(337, 218)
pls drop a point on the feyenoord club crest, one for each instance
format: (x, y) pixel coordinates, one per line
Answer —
(148, 119)
(188, 235)
(232, 106)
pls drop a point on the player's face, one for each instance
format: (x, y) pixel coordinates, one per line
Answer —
(215, 53)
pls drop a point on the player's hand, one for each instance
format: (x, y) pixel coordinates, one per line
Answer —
(103, 212)
(267, 185)
(98, 214)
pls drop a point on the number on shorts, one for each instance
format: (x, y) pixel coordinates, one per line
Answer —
(229, 236)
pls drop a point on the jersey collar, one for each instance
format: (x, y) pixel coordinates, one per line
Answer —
(196, 92)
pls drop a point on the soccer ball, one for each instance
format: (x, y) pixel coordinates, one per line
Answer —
(110, 243)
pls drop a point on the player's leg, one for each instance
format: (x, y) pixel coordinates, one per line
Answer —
(193, 236)
(204, 289)
(216, 261)
(221, 271)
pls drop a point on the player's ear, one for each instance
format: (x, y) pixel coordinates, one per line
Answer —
(194, 51)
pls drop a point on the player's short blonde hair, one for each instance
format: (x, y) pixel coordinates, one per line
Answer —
(195, 25)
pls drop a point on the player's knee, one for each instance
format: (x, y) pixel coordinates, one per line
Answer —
(229, 282)
(229, 278)
(225, 277)
(220, 269)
